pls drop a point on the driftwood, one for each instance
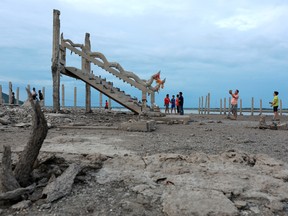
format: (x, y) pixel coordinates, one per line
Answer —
(17, 193)
(62, 185)
(30, 153)
(7, 179)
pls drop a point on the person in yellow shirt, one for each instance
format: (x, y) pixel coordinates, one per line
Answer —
(275, 104)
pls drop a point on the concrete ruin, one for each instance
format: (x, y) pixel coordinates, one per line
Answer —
(61, 45)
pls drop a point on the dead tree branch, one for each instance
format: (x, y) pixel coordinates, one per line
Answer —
(30, 153)
(62, 185)
(17, 193)
(7, 179)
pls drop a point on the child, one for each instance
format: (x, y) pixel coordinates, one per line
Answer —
(275, 104)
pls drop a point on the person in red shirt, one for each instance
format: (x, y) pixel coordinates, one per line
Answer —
(106, 105)
(166, 103)
(177, 103)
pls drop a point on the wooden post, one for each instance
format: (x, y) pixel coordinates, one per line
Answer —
(224, 106)
(17, 96)
(63, 96)
(1, 99)
(10, 93)
(252, 106)
(221, 106)
(44, 96)
(240, 106)
(208, 103)
(100, 100)
(55, 61)
(260, 107)
(202, 104)
(86, 68)
(75, 97)
(280, 107)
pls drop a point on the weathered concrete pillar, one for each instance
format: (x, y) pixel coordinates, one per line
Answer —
(109, 104)
(221, 106)
(1, 99)
(75, 97)
(202, 105)
(229, 105)
(224, 106)
(17, 96)
(199, 106)
(10, 93)
(63, 96)
(260, 107)
(152, 98)
(208, 97)
(144, 99)
(205, 110)
(100, 100)
(252, 106)
(55, 61)
(86, 68)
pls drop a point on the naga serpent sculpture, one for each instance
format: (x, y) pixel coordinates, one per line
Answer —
(119, 68)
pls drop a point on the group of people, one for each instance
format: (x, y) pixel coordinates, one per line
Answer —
(34, 95)
(176, 103)
(234, 104)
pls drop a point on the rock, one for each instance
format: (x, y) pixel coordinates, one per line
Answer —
(255, 210)
(275, 206)
(240, 204)
(4, 121)
(23, 125)
(282, 126)
(22, 205)
(45, 206)
(141, 126)
(190, 201)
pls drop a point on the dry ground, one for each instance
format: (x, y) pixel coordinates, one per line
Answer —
(210, 134)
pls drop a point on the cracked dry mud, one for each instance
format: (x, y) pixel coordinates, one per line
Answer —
(211, 166)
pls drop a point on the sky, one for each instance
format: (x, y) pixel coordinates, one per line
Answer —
(201, 47)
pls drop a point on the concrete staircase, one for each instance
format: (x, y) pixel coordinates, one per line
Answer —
(106, 88)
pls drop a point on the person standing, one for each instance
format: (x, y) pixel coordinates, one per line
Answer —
(13, 98)
(106, 105)
(275, 104)
(34, 94)
(166, 103)
(234, 102)
(173, 104)
(177, 103)
(181, 103)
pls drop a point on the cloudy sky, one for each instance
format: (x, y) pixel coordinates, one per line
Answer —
(199, 46)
